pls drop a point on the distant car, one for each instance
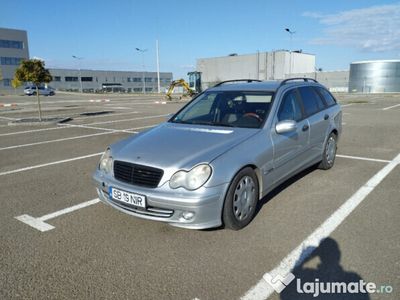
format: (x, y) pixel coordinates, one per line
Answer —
(212, 162)
(45, 91)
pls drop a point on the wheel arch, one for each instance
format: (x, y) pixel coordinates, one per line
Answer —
(258, 173)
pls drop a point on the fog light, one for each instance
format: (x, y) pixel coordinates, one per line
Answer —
(188, 215)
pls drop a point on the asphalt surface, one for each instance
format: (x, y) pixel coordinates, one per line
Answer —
(97, 252)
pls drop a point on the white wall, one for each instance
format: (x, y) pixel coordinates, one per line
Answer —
(262, 65)
(336, 81)
(230, 67)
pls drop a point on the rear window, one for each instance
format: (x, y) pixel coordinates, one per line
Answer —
(327, 96)
(312, 102)
(254, 98)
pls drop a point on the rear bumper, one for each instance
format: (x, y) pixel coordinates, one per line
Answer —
(167, 205)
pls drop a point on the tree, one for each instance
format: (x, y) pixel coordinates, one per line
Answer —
(33, 70)
(16, 84)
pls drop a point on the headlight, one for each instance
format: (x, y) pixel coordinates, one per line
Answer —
(106, 162)
(191, 180)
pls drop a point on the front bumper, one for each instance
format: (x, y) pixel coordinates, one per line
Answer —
(167, 205)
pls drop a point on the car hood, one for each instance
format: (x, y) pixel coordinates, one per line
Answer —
(177, 146)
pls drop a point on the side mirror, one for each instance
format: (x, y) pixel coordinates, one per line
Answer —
(285, 126)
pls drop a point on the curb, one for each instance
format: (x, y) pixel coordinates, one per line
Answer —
(36, 122)
(8, 105)
(99, 100)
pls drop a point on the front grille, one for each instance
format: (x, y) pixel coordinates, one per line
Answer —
(137, 174)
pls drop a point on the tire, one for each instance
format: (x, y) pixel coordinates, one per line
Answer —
(329, 154)
(241, 200)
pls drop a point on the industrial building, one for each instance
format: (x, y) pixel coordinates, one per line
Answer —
(335, 81)
(108, 81)
(261, 65)
(13, 49)
(376, 76)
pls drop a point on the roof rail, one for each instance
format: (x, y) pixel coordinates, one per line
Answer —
(236, 80)
(305, 79)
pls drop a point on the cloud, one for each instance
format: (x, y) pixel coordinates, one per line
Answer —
(371, 29)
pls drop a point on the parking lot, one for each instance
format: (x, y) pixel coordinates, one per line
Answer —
(57, 241)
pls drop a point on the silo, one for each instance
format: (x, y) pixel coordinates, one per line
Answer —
(377, 76)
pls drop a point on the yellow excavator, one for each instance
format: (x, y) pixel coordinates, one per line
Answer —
(192, 88)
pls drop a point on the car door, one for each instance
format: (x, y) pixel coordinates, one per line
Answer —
(290, 149)
(317, 115)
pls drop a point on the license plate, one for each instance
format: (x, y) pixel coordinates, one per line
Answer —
(129, 198)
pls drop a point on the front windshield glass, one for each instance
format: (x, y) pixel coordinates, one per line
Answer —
(227, 108)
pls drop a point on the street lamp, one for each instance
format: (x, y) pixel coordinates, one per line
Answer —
(142, 51)
(158, 67)
(290, 50)
(317, 70)
(80, 74)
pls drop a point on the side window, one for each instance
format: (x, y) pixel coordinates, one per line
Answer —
(312, 102)
(290, 108)
(327, 96)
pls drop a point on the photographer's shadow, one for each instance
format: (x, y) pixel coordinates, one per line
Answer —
(328, 270)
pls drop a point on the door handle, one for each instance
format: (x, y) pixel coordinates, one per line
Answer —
(326, 117)
(305, 127)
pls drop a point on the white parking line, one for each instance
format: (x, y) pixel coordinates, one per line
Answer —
(129, 130)
(345, 105)
(98, 128)
(262, 290)
(8, 118)
(65, 160)
(141, 127)
(28, 131)
(79, 116)
(50, 164)
(390, 107)
(363, 158)
(95, 123)
(124, 101)
(57, 140)
(41, 225)
(127, 120)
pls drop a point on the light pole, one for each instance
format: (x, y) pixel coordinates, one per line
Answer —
(142, 51)
(290, 50)
(80, 74)
(158, 68)
(317, 70)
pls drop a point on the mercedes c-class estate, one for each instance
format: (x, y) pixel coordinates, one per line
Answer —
(212, 161)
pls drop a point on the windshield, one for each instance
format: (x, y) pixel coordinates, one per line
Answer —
(227, 108)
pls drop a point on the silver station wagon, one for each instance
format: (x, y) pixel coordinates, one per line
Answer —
(211, 162)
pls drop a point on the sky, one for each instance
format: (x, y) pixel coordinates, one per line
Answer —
(106, 33)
